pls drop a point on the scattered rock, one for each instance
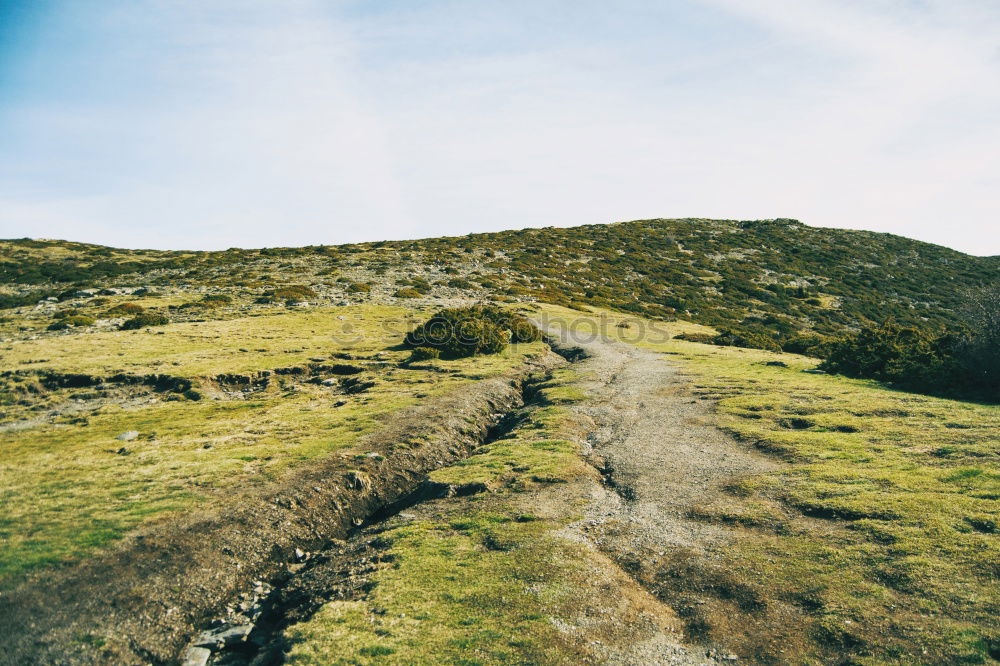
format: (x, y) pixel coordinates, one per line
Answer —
(223, 636)
(358, 480)
(127, 436)
(195, 656)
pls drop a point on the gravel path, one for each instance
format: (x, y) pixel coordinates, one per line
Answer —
(662, 454)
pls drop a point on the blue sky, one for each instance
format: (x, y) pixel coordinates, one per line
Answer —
(222, 123)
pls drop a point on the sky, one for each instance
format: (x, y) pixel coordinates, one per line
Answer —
(194, 124)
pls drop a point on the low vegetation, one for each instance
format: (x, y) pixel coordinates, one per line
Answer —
(144, 320)
(964, 363)
(875, 539)
(72, 485)
(478, 581)
(473, 330)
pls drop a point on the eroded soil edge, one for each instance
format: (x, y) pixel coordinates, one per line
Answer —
(143, 600)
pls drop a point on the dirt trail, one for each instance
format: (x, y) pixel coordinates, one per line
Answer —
(661, 454)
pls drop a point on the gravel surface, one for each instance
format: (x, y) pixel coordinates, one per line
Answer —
(661, 454)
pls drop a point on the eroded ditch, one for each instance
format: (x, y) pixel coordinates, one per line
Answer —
(339, 569)
(251, 634)
(145, 599)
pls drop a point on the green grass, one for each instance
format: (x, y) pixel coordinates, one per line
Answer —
(536, 452)
(878, 530)
(68, 488)
(876, 537)
(481, 582)
(477, 589)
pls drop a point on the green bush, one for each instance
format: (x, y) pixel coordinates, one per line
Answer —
(807, 344)
(747, 339)
(460, 332)
(423, 354)
(70, 320)
(80, 320)
(359, 288)
(915, 360)
(704, 338)
(127, 308)
(889, 353)
(407, 293)
(214, 300)
(143, 320)
(294, 293)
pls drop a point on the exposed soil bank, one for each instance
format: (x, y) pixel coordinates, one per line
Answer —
(143, 600)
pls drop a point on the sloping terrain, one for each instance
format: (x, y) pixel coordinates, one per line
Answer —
(779, 275)
(266, 475)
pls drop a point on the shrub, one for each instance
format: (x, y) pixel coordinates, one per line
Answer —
(143, 320)
(80, 320)
(423, 354)
(294, 292)
(460, 283)
(747, 339)
(704, 338)
(214, 300)
(807, 344)
(964, 364)
(460, 332)
(359, 288)
(127, 308)
(978, 353)
(60, 325)
(407, 293)
(889, 352)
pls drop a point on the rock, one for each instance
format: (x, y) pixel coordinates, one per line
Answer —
(195, 656)
(123, 451)
(300, 555)
(330, 382)
(217, 638)
(127, 436)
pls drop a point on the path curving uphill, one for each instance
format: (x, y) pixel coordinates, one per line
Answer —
(661, 455)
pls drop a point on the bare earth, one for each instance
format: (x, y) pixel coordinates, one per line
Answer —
(661, 454)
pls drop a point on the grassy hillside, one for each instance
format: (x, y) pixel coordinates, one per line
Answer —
(871, 540)
(779, 275)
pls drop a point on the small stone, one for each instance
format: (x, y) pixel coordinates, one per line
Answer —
(128, 435)
(195, 656)
(300, 555)
(222, 636)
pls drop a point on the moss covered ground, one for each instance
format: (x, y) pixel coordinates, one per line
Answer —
(69, 486)
(876, 538)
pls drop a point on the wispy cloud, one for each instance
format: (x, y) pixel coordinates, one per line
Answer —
(300, 121)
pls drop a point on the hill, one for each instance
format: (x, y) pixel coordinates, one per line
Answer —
(251, 456)
(775, 275)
